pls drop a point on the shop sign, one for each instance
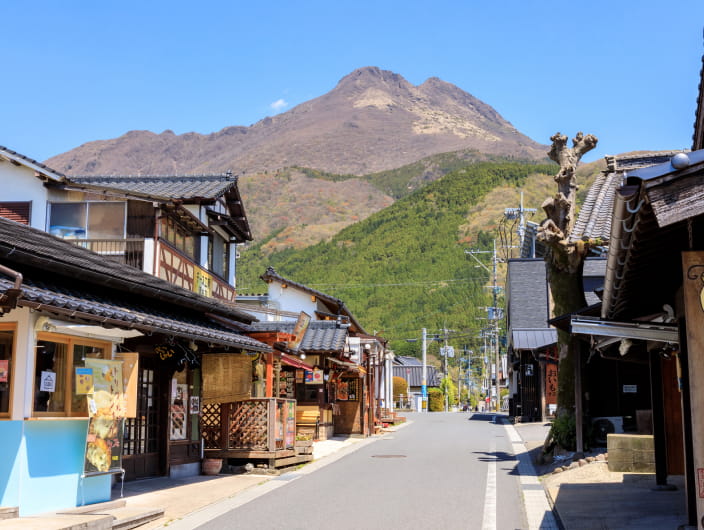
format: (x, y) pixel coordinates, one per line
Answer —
(630, 389)
(314, 377)
(299, 330)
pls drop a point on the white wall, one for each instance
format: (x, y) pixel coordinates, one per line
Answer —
(19, 184)
(291, 299)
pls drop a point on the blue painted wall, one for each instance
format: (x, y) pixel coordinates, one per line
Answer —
(44, 464)
(12, 450)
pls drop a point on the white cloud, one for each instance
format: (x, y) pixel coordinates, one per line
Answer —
(279, 104)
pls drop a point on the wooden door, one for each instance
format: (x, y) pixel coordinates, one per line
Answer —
(143, 440)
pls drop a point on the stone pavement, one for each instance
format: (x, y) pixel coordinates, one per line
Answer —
(577, 499)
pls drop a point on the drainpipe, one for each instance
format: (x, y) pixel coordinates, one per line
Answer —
(14, 293)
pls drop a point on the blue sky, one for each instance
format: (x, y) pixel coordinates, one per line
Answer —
(76, 71)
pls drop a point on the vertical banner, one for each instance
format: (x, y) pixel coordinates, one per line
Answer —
(693, 278)
(106, 411)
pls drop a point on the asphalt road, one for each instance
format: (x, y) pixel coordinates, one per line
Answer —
(444, 470)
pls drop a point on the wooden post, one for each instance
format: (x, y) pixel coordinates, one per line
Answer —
(656, 399)
(693, 278)
(269, 375)
(578, 420)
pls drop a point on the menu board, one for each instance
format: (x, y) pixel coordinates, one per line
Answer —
(106, 411)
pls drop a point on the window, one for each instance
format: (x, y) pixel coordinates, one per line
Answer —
(87, 220)
(219, 256)
(56, 360)
(7, 348)
(178, 236)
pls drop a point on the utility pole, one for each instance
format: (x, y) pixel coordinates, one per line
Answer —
(494, 314)
(424, 382)
(519, 214)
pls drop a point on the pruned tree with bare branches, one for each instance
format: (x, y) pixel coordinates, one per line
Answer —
(565, 260)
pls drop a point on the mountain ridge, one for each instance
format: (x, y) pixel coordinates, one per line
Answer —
(372, 120)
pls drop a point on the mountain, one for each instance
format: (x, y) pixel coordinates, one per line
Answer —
(372, 121)
(404, 267)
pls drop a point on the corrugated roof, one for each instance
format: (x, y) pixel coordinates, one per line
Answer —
(533, 339)
(414, 375)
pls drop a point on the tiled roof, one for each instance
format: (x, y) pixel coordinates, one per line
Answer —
(321, 335)
(414, 375)
(122, 310)
(185, 187)
(20, 244)
(44, 170)
(594, 219)
(698, 136)
(533, 339)
(405, 360)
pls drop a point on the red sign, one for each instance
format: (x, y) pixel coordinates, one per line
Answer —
(700, 482)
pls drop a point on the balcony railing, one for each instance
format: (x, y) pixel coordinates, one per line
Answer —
(127, 251)
(260, 424)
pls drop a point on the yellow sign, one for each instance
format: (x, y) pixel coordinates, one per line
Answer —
(203, 283)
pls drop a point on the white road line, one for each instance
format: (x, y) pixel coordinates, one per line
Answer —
(489, 518)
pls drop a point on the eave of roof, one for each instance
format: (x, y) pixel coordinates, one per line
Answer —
(84, 305)
(29, 247)
(41, 169)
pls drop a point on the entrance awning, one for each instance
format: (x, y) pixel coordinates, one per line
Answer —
(626, 330)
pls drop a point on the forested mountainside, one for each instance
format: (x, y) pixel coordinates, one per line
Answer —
(404, 267)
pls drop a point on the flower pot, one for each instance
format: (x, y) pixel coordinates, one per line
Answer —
(212, 466)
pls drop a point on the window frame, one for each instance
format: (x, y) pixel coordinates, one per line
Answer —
(70, 341)
(86, 227)
(10, 326)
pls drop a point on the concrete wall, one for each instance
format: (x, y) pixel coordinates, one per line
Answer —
(20, 184)
(631, 453)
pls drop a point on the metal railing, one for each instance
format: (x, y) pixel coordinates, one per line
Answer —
(127, 251)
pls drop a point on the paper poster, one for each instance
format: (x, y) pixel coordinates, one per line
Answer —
(179, 397)
(194, 405)
(4, 370)
(47, 382)
(84, 380)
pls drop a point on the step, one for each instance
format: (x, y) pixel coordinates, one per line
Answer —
(60, 522)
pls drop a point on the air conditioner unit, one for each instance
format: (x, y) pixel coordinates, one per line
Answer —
(605, 425)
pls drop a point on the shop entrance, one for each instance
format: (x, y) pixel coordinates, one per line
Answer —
(141, 452)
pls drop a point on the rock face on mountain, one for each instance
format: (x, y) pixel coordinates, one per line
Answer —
(373, 120)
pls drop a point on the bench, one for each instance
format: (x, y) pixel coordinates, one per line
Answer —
(308, 416)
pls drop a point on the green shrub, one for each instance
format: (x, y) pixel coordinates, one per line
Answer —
(436, 400)
(400, 386)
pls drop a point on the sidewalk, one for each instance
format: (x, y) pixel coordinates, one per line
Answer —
(590, 496)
